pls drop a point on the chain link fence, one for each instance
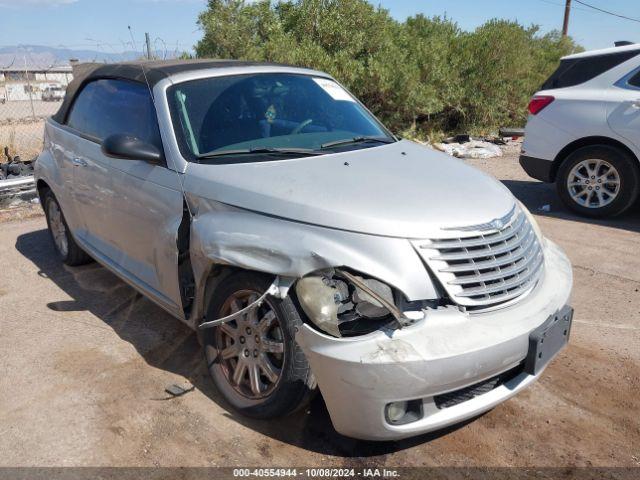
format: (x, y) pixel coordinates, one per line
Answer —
(27, 98)
(32, 90)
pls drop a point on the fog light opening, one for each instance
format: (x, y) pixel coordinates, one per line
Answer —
(396, 411)
(400, 413)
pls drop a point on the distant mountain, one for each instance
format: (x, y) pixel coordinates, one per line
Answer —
(38, 56)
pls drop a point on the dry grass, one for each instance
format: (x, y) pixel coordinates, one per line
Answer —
(23, 139)
(21, 212)
(22, 129)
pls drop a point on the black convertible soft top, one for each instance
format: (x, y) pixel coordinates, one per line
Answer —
(154, 70)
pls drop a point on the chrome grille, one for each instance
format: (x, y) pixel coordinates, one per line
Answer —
(486, 267)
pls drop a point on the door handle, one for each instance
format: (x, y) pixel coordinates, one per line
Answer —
(79, 162)
(635, 103)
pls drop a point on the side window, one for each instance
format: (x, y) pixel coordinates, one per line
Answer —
(106, 107)
(635, 80)
(575, 71)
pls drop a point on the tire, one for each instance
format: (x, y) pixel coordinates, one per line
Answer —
(295, 384)
(66, 247)
(586, 169)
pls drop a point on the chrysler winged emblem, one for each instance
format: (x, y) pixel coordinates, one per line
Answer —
(495, 224)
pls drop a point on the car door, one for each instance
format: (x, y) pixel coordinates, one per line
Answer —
(130, 209)
(60, 144)
(624, 111)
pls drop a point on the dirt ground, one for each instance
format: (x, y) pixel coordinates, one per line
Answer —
(84, 362)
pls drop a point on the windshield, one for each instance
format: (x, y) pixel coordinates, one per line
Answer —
(254, 117)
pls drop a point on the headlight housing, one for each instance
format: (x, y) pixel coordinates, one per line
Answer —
(340, 308)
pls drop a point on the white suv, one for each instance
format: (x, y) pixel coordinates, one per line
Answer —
(583, 131)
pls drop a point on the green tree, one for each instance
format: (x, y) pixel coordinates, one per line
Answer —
(421, 74)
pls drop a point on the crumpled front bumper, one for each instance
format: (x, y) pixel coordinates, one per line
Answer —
(448, 351)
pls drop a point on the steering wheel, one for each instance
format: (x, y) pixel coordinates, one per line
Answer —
(298, 128)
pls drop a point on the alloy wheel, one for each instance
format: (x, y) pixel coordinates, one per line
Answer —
(58, 228)
(593, 183)
(251, 347)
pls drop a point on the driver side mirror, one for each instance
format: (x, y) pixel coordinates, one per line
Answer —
(128, 147)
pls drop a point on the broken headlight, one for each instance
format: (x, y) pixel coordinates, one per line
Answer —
(343, 304)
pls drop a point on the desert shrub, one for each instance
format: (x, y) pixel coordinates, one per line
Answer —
(419, 75)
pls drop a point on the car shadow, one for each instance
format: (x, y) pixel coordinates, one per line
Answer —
(542, 199)
(165, 343)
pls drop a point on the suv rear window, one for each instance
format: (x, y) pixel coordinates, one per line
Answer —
(107, 107)
(575, 71)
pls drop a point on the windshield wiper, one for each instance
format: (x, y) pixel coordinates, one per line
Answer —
(362, 139)
(247, 151)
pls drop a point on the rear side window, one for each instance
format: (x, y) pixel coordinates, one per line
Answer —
(107, 107)
(575, 71)
(635, 80)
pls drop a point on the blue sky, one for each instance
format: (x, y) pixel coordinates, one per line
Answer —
(102, 24)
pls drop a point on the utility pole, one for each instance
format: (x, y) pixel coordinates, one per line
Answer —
(565, 24)
(26, 74)
(148, 40)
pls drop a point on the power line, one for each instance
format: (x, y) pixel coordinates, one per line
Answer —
(549, 2)
(607, 12)
(573, 7)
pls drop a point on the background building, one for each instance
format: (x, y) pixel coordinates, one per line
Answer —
(16, 83)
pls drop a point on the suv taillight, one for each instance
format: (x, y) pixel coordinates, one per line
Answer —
(538, 102)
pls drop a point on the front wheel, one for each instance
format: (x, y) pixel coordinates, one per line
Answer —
(254, 360)
(598, 181)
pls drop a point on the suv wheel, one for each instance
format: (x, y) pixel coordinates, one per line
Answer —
(254, 360)
(66, 247)
(598, 181)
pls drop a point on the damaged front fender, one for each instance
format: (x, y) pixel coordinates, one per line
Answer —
(223, 235)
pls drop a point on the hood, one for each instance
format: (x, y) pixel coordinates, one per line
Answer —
(401, 189)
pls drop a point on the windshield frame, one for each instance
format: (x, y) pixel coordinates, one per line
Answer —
(190, 157)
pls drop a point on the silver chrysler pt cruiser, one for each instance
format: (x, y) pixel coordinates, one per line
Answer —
(265, 207)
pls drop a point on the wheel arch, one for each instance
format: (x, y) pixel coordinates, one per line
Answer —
(216, 274)
(41, 188)
(589, 142)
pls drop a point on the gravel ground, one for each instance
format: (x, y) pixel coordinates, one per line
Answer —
(85, 361)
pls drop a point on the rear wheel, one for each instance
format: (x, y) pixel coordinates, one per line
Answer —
(254, 360)
(65, 245)
(598, 181)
